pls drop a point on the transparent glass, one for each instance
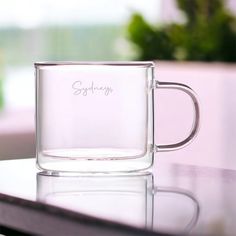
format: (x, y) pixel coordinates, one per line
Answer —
(98, 116)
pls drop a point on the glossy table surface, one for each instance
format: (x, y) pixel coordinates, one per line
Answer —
(172, 199)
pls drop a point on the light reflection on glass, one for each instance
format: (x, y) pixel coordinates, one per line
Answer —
(128, 199)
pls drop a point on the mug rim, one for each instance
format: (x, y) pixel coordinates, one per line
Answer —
(96, 63)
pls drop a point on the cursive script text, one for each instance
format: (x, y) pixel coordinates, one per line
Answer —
(80, 89)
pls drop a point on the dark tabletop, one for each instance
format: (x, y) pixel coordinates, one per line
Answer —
(172, 199)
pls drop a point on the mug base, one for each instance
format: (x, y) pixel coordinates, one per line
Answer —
(124, 161)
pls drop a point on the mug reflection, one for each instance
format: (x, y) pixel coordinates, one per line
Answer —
(129, 199)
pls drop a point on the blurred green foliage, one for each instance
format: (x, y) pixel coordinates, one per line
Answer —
(208, 34)
(22, 47)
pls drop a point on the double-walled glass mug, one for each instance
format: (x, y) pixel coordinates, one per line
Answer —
(99, 116)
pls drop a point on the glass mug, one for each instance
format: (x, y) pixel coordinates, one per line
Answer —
(99, 116)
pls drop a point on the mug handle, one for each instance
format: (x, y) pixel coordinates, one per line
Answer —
(195, 127)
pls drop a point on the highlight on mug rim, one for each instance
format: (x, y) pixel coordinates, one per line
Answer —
(96, 63)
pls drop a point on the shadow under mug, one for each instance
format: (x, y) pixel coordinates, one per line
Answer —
(128, 199)
(99, 116)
